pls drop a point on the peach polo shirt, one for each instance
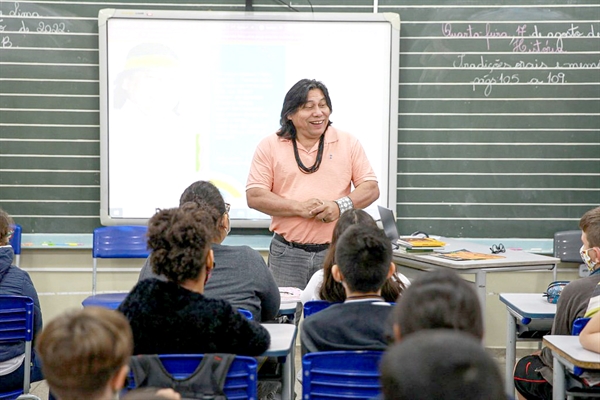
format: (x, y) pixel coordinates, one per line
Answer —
(274, 168)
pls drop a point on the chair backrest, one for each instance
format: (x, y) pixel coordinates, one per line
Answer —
(118, 242)
(246, 313)
(567, 245)
(578, 325)
(112, 301)
(313, 306)
(240, 383)
(16, 325)
(576, 329)
(341, 375)
(15, 242)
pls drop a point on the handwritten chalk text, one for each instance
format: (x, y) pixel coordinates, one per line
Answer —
(471, 32)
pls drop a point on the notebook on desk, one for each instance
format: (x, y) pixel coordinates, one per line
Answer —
(406, 243)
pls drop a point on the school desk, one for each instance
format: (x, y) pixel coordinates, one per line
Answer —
(568, 354)
(528, 313)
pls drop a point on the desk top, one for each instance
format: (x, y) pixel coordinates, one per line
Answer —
(529, 305)
(283, 338)
(512, 260)
(568, 347)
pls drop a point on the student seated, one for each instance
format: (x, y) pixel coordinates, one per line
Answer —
(15, 281)
(438, 300)
(85, 355)
(322, 285)
(440, 364)
(241, 275)
(533, 373)
(363, 261)
(175, 317)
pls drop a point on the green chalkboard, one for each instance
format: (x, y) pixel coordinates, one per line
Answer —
(498, 112)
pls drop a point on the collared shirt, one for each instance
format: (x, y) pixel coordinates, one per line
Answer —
(274, 168)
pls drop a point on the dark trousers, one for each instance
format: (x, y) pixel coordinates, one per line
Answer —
(14, 380)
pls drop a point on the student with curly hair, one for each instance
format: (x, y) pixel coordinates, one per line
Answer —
(175, 316)
(241, 276)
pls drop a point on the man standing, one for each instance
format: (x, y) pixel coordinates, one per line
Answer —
(302, 177)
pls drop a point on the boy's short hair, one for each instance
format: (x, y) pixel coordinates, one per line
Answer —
(82, 350)
(590, 224)
(363, 256)
(439, 300)
(440, 364)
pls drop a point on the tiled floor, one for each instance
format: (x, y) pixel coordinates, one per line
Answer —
(40, 389)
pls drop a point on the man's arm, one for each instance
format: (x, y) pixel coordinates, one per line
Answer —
(271, 204)
(362, 196)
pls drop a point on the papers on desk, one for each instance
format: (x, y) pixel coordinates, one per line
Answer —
(290, 294)
(465, 255)
(413, 244)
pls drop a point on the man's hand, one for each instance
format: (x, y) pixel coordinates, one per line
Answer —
(326, 211)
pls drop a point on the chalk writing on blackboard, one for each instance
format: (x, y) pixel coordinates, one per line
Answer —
(508, 67)
(19, 20)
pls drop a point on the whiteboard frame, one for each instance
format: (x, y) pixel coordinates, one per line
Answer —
(387, 183)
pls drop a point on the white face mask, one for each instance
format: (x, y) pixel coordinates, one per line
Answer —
(586, 258)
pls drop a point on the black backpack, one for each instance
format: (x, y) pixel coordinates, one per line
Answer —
(205, 383)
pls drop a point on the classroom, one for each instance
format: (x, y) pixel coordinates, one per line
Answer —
(495, 132)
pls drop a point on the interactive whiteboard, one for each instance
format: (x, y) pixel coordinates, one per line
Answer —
(188, 95)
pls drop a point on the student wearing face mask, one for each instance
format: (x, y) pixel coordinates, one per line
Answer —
(241, 275)
(533, 374)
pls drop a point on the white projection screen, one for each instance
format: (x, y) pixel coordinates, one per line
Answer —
(187, 96)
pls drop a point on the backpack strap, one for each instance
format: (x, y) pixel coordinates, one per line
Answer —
(212, 373)
(206, 382)
(141, 366)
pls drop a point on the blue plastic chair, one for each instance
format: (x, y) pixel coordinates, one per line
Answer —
(578, 325)
(313, 306)
(16, 325)
(112, 301)
(15, 242)
(240, 383)
(577, 390)
(246, 313)
(330, 375)
(118, 242)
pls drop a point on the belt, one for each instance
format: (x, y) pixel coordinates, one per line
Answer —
(312, 248)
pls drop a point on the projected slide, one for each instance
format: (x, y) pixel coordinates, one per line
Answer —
(189, 98)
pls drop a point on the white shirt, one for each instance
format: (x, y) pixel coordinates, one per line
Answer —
(311, 292)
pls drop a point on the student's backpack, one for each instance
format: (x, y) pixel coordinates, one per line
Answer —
(554, 290)
(206, 382)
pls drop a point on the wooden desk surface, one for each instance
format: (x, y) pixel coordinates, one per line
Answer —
(512, 258)
(569, 348)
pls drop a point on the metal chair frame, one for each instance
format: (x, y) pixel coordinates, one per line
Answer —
(15, 242)
(16, 325)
